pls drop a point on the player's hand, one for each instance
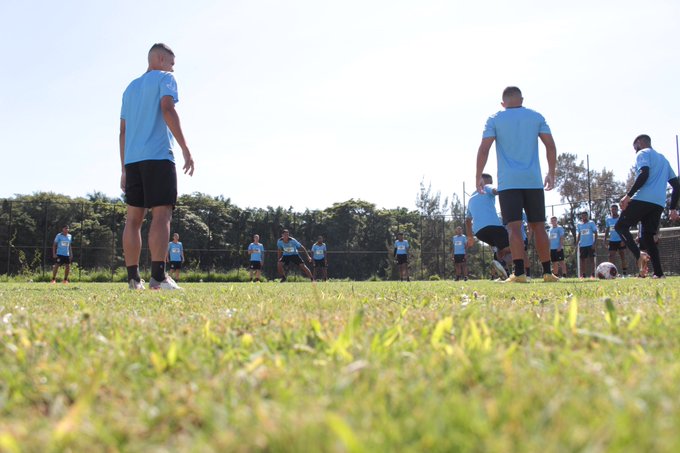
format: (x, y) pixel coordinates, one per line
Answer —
(122, 181)
(549, 182)
(674, 215)
(624, 202)
(480, 185)
(188, 163)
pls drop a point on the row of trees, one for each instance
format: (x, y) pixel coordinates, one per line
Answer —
(216, 232)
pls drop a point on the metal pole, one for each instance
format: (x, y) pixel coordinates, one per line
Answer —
(9, 238)
(590, 205)
(114, 233)
(677, 153)
(82, 218)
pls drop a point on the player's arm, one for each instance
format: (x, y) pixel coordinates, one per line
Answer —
(675, 197)
(121, 145)
(482, 157)
(594, 234)
(181, 251)
(309, 258)
(54, 249)
(551, 156)
(172, 120)
(639, 182)
(468, 232)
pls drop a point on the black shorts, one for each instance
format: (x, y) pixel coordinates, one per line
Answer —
(495, 236)
(175, 265)
(648, 214)
(402, 259)
(291, 259)
(319, 263)
(616, 245)
(514, 201)
(556, 255)
(151, 183)
(61, 259)
(256, 265)
(460, 258)
(586, 252)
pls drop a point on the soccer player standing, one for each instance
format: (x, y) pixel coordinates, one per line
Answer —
(62, 254)
(459, 243)
(320, 253)
(149, 124)
(401, 247)
(556, 235)
(613, 240)
(645, 202)
(175, 256)
(256, 252)
(586, 238)
(516, 131)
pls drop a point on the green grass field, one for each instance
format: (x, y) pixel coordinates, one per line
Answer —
(359, 367)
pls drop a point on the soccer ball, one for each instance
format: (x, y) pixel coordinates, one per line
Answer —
(606, 271)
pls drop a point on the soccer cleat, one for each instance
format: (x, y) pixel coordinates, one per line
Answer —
(53, 282)
(65, 282)
(136, 285)
(516, 279)
(550, 278)
(498, 267)
(167, 284)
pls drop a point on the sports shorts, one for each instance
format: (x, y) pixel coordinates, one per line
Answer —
(255, 265)
(402, 259)
(175, 265)
(459, 258)
(495, 236)
(616, 245)
(556, 255)
(291, 259)
(514, 201)
(151, 183)
(320, 263)
(62, 259)
(586, 252)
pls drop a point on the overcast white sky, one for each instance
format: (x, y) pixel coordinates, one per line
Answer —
(307, 103)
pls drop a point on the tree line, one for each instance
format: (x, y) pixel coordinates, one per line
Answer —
(216, 232)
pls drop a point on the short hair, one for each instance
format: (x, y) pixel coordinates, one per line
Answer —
(644, 138)
(285, 231)
(66, 226)
(614, 205)
(487, 178)
(161, 46)
(511, 92)
(553, 217)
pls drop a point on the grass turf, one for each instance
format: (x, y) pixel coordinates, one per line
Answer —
(381, 366)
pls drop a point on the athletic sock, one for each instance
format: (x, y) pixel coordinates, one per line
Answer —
(133, 273)
(158, 270)
(546, 267)
(519, 267)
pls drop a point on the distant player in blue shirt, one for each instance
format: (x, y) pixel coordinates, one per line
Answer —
(62, 253)
(149, 124)
(401, 247)
(613, 240)
(175, 256)
(645, 202)
(256, 252)
(287, 250)
(481, 220)
(319, 252)
(459, 245)
(556, 235)
(516, 131)
(586, 239)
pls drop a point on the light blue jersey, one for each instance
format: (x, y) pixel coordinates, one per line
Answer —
(610, 222)
(555, 234)
(63, 244)
(516, 133)
(175, 251)
(402, 247)
(319, 251)
(258, 251)
(660, 171)
(147, 137)
(482, 210)
(588, 231)
(289, 248)
(459, 243)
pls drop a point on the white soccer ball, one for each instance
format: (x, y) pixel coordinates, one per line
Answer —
(606, 271)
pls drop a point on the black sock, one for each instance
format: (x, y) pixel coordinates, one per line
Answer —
(527, 270)
(133, 273)
(519, 267)
(546, 267)
(158, 270)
